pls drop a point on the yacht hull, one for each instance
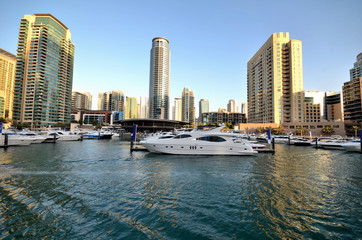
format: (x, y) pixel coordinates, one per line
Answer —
(197, 149)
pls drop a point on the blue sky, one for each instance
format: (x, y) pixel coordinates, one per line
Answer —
(210, 41)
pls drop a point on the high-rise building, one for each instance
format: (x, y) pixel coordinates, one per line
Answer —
(244, 109)
(143, 109)
(81, 100)
(232, 106)
(275, 81)
(131, 109)
(7, 78)
(111, 101)
(352, 93)
(333, 107)
(188, 106)
(223, 117)
(159, 92)
(203, 108)
(44, 71)
(177, 109)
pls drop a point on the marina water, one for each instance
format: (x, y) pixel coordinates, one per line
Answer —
(97, 189)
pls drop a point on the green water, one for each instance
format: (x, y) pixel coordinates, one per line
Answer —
(96, 189)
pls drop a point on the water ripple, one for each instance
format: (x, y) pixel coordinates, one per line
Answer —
(98, 190)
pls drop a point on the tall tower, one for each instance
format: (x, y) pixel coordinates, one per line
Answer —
(111, 101)
(232, 106)
(143, 109)
(44, 71)
(177, 109)
(244, 109)
(159, 93)
(131, 109)
(352, 94)
(7, 78)
(203, 108)
(275, 81)
(188, 106)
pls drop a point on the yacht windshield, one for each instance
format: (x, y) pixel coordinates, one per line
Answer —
(211, 139)
(183, 136)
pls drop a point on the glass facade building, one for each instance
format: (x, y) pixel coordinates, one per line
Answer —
(159, 92)
(44, 71)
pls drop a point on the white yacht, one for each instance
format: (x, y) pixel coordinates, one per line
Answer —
(66, 136)
(353, 146)
(15, 140)
(211, 142)
(36, 138)
(332, 144)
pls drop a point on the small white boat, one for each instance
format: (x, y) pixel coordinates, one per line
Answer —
(212, 142)
(352, 146)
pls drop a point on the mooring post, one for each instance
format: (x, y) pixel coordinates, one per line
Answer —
(134, 133)
(360, 138)
(6, 140)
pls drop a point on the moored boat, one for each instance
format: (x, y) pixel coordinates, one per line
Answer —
(352, 146)
(212, 142)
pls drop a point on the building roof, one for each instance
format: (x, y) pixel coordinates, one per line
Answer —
(49, 15)
(7, 54)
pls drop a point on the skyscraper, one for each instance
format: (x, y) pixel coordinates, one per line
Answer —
(203, 108)
(111, 101)
(244, 109)
(44, 71)
(177, 109)
(188, 106)
(131, 109)
(81, 100)
(7, 78)
(275, 81)
(352, 93)
(232, 106)
(159, 92)
(143, 110)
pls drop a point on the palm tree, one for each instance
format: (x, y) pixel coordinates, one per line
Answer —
(355, 128)
(327, 130)
(279, 130)
(260, 130)
(301, 130)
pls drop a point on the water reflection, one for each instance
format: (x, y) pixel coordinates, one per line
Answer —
(97, 189)
(300, 196)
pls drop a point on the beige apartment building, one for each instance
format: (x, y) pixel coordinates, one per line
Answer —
(81, 100)
(188, 106)
(275, 81)
(7, 78)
